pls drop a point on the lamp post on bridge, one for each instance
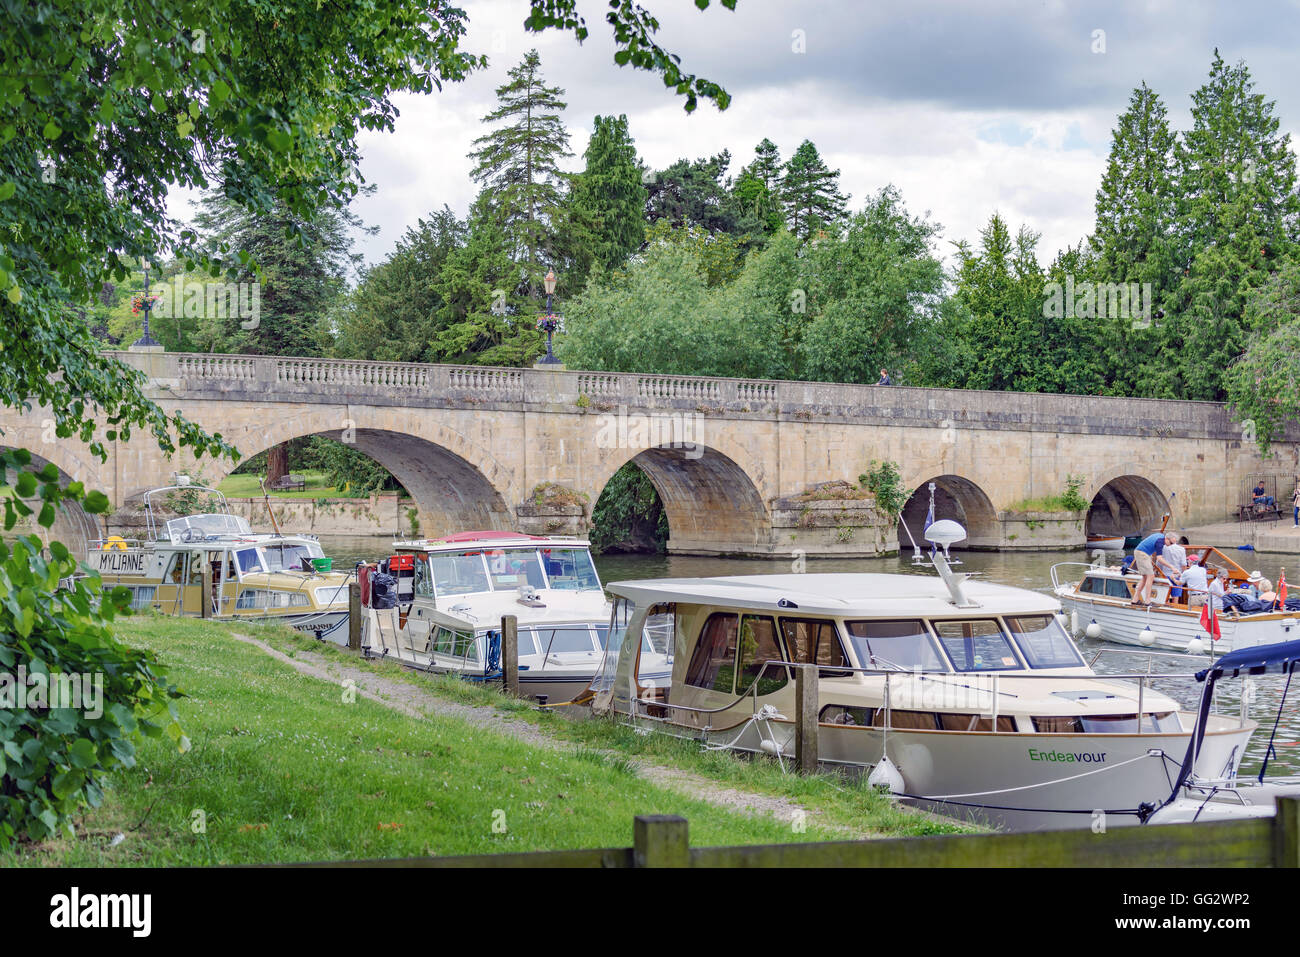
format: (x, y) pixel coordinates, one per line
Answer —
(145, 302)
(549, 322)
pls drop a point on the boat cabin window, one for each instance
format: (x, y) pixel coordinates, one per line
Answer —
(424, 580)
(565, 639)
(291, 556)
(814, 641)
(461, 574)
(176, 570)
(512, 567)
(976, 645)
(250, 560)
(527, 639)
(1107, 723)
(661, 629)
(1043, 641)
(759, 645)
(846, 715)
(940, 721)
(457, 644)
(901, 645)
(1116, 588)
(570, 569)
(713, 664)
(1093, 585)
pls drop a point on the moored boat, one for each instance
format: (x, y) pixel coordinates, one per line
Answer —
(213, 565)
(965, 697)
(452, 593)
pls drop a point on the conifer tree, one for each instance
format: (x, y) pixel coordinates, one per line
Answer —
(518, 163)
(606, 204)
(810, 193)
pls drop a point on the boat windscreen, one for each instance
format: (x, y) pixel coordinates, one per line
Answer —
(894, 645)
(512, 567)
(458, 574)
(193, 527)
(615, 646)
(570, 569)
(1043, 641)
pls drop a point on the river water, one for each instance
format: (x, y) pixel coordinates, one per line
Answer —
(1030, 570)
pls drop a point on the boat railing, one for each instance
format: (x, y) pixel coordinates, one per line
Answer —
(649, 706)
(1088, 565)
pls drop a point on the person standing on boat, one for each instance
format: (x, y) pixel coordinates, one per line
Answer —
(1144, 556)
(1219, 588)
(1194, 578)
(1174, 562)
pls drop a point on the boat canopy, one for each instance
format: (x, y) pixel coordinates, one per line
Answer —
(1281, 658)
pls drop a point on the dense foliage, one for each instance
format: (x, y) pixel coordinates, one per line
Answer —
(75, 702)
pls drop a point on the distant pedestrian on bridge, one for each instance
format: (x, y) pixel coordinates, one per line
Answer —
(885, 380)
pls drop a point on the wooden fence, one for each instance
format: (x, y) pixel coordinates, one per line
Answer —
(664, 841)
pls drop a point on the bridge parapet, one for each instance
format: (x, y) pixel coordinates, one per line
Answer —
(263, 378)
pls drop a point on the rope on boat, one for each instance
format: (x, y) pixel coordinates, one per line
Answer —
(764, 714)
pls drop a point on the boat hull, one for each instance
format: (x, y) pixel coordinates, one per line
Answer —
(1172, 630)
(1016, 780)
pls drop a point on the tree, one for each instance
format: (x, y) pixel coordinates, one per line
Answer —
(692, 193)
(1238, 213)
(873, 293)
(396, 313)
(518, 163)
(606, 201)
(1000, 290)
(810, 193)
(1263, 385)
(1136, 204)
(758, 188)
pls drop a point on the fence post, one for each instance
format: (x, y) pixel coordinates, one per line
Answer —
(1286, 833)
(354, 616)
(205, 606)
(510, 654)
(660, 840)
(805, 718)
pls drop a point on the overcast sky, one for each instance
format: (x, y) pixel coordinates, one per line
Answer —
(968, 106)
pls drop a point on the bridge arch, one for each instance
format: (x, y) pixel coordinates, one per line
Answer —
(712, 503)
(455, 484)
(955, 497)
(1125, 503)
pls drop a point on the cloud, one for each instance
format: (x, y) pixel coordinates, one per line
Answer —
(967, 107)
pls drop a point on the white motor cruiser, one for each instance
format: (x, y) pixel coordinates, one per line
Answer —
(964, 697)
(451, 596)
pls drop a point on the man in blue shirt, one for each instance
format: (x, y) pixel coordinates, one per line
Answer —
(1144, 557)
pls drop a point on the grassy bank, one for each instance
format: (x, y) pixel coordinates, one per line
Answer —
(840, 800)
(317, 486)
(285, 767)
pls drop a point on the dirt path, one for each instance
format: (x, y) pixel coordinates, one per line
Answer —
(417, 703)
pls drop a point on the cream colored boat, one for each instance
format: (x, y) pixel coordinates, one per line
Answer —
(964, 697)
(250, 576)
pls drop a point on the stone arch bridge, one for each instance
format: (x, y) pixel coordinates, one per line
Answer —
(741, 465)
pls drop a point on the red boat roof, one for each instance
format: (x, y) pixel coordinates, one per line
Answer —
(490, 535)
